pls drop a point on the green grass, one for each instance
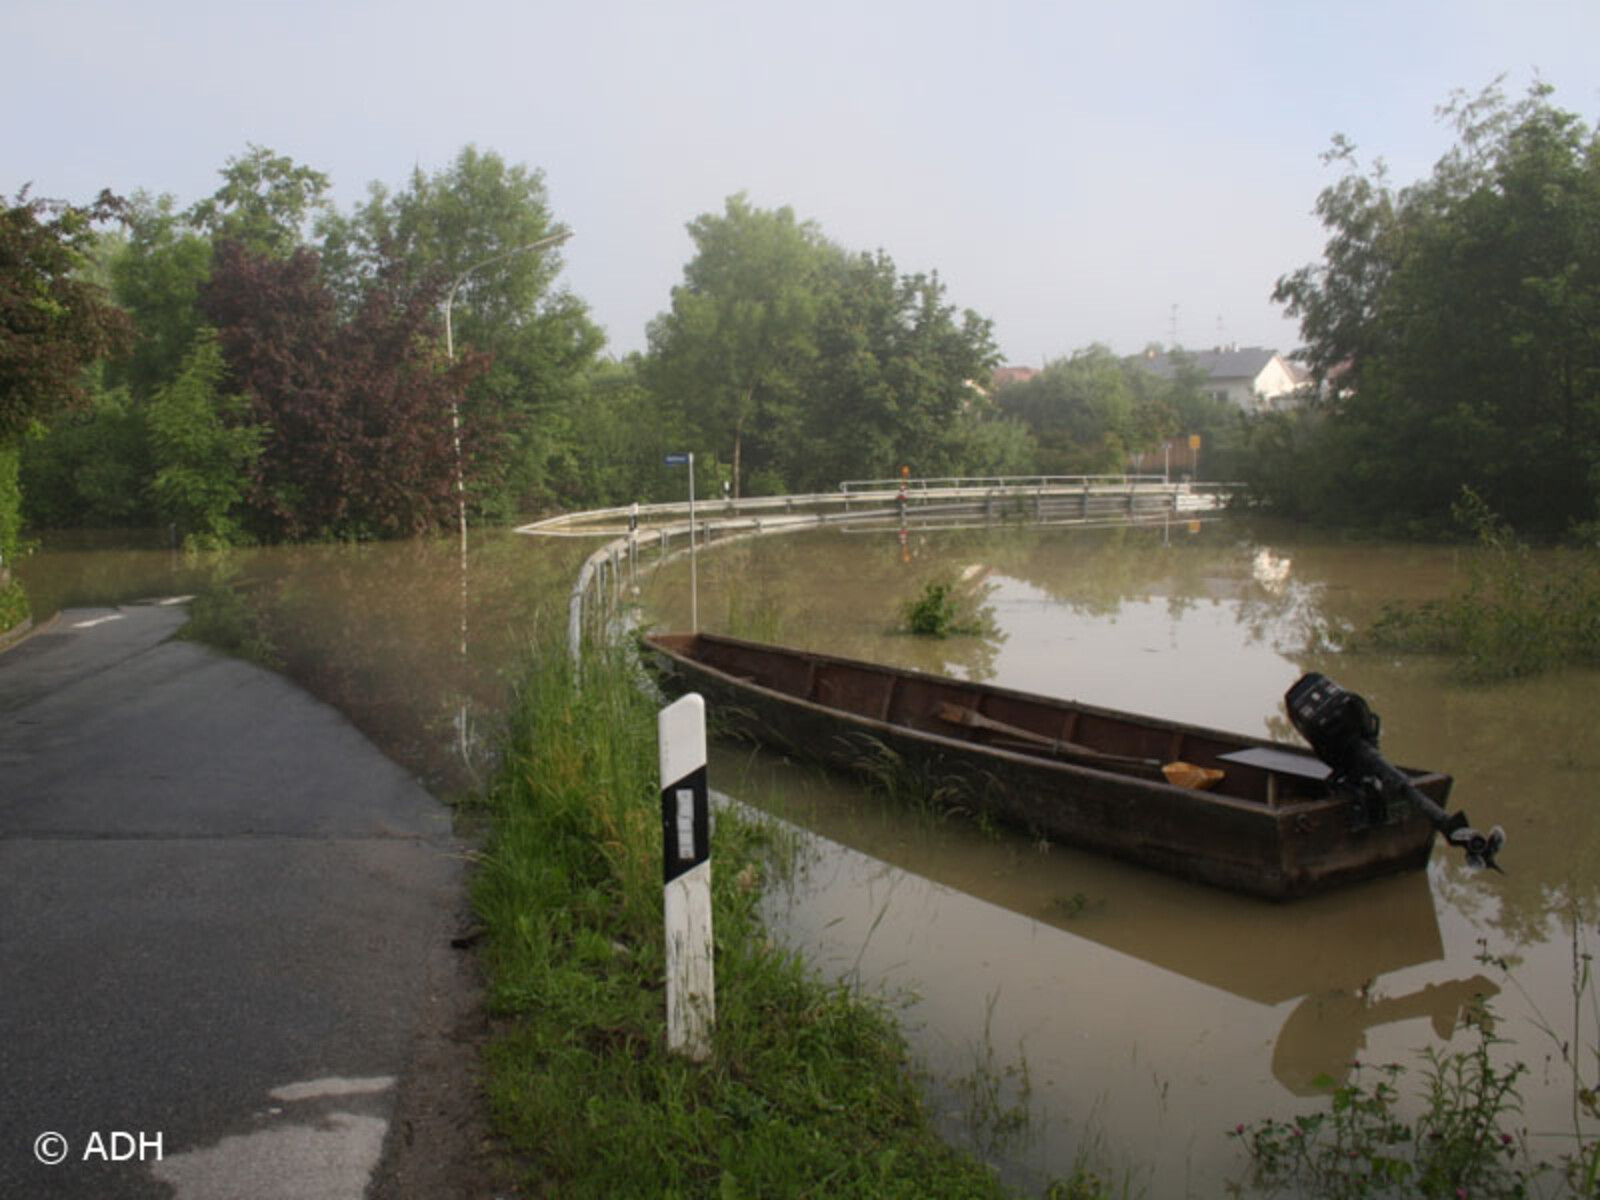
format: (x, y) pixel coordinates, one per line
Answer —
(1516, 615)
(1467, 1138)
(13, 606)
(810, 1091)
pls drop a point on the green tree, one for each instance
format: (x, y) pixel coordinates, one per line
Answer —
(467, 225)
(801, 364)
(203, 450)
(53, 323)
(94, 467)
(620, 435)
(156, 277)
(91, 468)
(1456, 324)
(893, 379)
(734, 349)
(1084, 412)
(13, 602)
(267, 203)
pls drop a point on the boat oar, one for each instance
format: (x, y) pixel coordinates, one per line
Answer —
(972, 719)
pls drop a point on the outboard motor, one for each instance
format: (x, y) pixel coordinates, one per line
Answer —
(1343, 732)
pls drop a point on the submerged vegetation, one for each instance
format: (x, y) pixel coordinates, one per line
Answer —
(1515, 616)
(810, 1091)
(947, 608)
(1464, 1143)
(1467, 1139)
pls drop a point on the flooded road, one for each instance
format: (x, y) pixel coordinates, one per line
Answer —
(387, 632)
(1069, 1008)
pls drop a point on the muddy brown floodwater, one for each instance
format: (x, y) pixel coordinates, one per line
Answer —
(1132, 1019)
(419, 656)
(1069, 1009)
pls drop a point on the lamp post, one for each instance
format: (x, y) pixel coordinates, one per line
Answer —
(450, 353)
(455, 430)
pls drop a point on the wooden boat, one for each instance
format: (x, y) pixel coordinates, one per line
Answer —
(1265, 820)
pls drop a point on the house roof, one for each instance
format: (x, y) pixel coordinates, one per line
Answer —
(1005, 375)
(1223, 362)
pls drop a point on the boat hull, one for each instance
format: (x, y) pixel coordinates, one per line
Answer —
(1278, 838)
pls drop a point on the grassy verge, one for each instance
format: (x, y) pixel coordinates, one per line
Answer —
(13, 605)
(810, 1092)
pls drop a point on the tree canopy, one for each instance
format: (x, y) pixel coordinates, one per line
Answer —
(470, 225)
(53, 322)
(1455, 325)
(331, 356)
(1094, 412)
(800, 364)
(355, 412)
(740, 336)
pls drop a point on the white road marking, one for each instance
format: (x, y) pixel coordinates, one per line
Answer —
(332, 1085)
(93, 621)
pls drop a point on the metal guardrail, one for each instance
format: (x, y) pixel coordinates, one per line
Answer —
(1027, 482)
(918, 493)
(600, 581)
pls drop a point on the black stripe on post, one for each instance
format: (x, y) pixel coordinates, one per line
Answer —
(685, 825)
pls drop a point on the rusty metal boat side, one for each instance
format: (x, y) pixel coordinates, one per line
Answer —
(1072, 773)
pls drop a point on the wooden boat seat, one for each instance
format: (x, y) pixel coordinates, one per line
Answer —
(1277, 763)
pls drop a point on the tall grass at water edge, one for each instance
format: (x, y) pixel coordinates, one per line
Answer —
(1517, 613)
(810, 1091)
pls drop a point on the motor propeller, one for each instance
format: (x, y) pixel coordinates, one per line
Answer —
(1343, 732)
(1481, 849)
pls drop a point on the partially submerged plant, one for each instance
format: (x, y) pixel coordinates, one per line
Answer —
(1465, 1142)
(1516, 616)
(945, 609)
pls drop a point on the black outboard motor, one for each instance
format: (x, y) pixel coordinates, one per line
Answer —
(1343, 732)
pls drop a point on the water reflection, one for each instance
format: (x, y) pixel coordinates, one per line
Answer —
(1222, 1009)
(1326, 1033)
(1330, 954)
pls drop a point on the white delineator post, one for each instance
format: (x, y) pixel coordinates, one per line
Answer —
(686, 843)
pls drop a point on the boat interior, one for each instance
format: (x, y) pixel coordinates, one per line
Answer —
(1057, 730)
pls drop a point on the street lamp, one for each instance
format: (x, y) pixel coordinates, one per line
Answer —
(455, 429)
(450, 353)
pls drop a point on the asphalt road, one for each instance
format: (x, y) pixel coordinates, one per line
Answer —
(221, 911)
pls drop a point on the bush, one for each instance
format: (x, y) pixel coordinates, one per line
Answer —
(945, 609)
(1515, 617)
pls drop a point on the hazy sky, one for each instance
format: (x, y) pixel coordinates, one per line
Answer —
(1071, 170)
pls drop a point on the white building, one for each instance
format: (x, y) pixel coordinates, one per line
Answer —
(1248, 377)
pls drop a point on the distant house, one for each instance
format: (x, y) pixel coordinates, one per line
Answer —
(1005, 375)
(1248, 377)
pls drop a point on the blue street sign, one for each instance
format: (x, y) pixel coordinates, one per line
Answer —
(677, 460)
